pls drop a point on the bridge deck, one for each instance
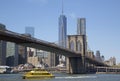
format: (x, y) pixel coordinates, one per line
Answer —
(43, 45)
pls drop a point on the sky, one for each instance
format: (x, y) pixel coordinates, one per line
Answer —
(102, 20)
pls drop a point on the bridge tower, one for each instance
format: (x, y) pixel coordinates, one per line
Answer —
(77, 43)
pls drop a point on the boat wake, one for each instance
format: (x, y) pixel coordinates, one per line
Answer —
(72, 77)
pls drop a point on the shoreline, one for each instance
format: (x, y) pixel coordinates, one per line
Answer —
(107, 72)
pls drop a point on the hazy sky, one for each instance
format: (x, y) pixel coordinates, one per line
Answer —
(102, 20)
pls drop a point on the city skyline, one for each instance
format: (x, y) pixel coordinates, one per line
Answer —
(102, 20)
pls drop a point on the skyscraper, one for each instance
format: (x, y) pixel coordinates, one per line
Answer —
(62, 29)
(62, 33)
(81, 26)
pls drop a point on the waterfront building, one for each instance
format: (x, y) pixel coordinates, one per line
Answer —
(15, 55)
(52, 59)
(12, 54)
(33, 60)
(2, 47)
(2, 52)
(22, 51)
(43, 57)
(81, 26)
(47, 58)
(112, 61)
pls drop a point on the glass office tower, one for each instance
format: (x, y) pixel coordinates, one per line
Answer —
(62, 36)
(81, 26)
(62, 30)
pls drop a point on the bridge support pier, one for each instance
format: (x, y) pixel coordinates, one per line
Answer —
(75, 65)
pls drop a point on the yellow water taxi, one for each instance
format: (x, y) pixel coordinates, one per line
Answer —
(38, 73)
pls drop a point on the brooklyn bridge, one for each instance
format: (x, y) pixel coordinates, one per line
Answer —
(77, 59)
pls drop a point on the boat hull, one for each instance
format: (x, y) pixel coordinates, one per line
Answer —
(37, 77)
(37, 74)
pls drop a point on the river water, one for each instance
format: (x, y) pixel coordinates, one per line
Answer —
(65, 77)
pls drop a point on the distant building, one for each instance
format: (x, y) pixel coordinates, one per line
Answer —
(22, 51)
(111, 61)
(43, 58)
(34, 60)
(31, 52)
(15, 55)
(2, 47)
(102, 58)
(98, 56)
(41, 53)
(47, 57)
(11, 58)
(81, 26)
(90, 54)
(2, 52)
(12, 54)
(30, 30)
(52, 59)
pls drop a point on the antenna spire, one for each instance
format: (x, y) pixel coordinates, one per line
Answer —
(62, 7)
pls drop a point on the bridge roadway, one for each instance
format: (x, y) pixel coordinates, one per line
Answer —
(28, 41)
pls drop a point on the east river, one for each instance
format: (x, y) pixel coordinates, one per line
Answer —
(65, 77)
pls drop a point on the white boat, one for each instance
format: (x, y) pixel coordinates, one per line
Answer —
(5, 69)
